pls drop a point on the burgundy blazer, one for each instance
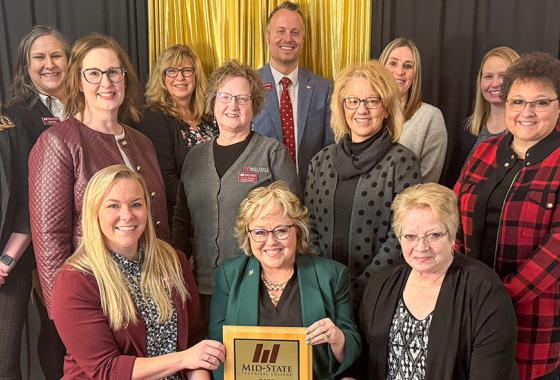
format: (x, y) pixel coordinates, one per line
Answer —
(94, 350)
(61, 164)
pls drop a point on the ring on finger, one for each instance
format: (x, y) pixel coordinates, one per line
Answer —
(325, 337)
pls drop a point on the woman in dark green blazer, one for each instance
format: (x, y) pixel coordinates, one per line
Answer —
(276, 284)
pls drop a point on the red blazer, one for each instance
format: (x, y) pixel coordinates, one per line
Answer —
(94, 350)
(527, 256)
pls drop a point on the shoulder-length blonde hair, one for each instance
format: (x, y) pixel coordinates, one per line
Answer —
(481, 109)
(414, 98)
(157, 95)
(260, 202)
(161, 269)
(382, 82)
(75, 101)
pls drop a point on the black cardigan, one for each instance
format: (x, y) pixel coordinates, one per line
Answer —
(473, 330)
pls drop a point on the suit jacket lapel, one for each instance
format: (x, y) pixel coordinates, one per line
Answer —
(312, 307)
(137, 333)
(272, 106)
(305, 92)
(248, 313)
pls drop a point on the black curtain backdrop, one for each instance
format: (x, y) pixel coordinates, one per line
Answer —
(453, 36)
(124, 20)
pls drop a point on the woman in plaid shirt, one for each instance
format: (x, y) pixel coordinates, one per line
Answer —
(507, 194)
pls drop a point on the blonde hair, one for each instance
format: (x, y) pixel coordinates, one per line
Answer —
(481, 110)
(75, 101)
(260, 202)
(382, 82)
(229, 70)
(161, 269)
(414, 97)
(157, 95)
(441, 200)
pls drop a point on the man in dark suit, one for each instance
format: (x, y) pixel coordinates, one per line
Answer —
(297, 109)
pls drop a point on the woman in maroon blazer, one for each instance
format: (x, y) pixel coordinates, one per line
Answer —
(126, 304)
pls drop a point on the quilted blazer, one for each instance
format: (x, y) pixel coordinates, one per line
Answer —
(527, 252)
(61, 164)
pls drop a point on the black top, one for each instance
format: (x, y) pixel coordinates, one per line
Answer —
(172, 139)
(287, 312)
(344, 194)
(225, 156)
(494, 211)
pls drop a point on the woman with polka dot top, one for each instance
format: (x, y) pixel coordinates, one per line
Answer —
(351, 184)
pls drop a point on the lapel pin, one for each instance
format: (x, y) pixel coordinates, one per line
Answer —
(308, 87)
(268, 86)
(251, 272)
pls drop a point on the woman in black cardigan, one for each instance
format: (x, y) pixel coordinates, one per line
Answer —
(441, 315)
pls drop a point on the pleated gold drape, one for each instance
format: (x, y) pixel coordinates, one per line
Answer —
(337, 31)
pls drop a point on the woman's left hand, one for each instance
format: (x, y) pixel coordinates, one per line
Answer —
(324, 331)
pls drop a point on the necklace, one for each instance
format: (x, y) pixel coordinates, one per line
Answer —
(275, 286)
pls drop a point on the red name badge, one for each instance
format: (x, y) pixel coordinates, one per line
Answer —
(49, 121)
(247, 177)
(268, 86)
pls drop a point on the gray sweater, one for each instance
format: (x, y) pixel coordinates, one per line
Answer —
(373, 245)
(204, 219)
(425, 135)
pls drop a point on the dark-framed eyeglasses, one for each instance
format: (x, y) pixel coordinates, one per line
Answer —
(94, 76)
(353, 103)
(537, 105)
(431, 238)
(224, 97)
(172, 72)
(279, 233)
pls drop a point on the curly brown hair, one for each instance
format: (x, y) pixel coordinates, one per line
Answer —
(538, 66)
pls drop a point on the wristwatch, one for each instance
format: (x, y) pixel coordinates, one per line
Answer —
(7, 260)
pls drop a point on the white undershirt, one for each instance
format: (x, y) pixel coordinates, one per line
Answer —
(56, 108)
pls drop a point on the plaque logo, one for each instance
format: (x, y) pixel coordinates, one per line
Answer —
(266, 356)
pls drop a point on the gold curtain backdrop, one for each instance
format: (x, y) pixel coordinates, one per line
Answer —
(337, 31)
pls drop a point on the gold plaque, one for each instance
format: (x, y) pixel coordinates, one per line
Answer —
(267, 353)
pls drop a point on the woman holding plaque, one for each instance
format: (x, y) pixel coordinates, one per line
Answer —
(277, 284)
(126, 303)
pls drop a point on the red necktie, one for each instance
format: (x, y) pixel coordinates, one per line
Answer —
(287, 117)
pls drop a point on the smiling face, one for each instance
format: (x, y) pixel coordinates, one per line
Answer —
(122, 216)
(106, 96)
(363, 122)
(181, 88)
(274, 255)
(285, 38)
(492, 76)
(47, 66)
(530, 125)
(425, 258)
(232, 117)
(401, 64)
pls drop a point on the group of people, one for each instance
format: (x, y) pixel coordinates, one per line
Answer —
(271, 197)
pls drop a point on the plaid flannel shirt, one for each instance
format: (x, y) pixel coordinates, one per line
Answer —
(527, 254)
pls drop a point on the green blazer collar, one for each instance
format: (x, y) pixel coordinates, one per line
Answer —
(312, 307)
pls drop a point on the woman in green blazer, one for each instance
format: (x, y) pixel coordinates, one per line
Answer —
(276, 284)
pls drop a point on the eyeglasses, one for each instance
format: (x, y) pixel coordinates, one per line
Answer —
(538, 105)
(431, 238)
(260, 235)
(94, 76)
(224, 97)
(354, 103)
(172, 72)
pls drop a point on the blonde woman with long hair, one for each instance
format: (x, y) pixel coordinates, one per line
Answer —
(488, 117)
(126, 304)
(174, 117)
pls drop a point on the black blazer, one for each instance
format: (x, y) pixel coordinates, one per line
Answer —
(32, 117)
(473, 330)
(14, 210)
